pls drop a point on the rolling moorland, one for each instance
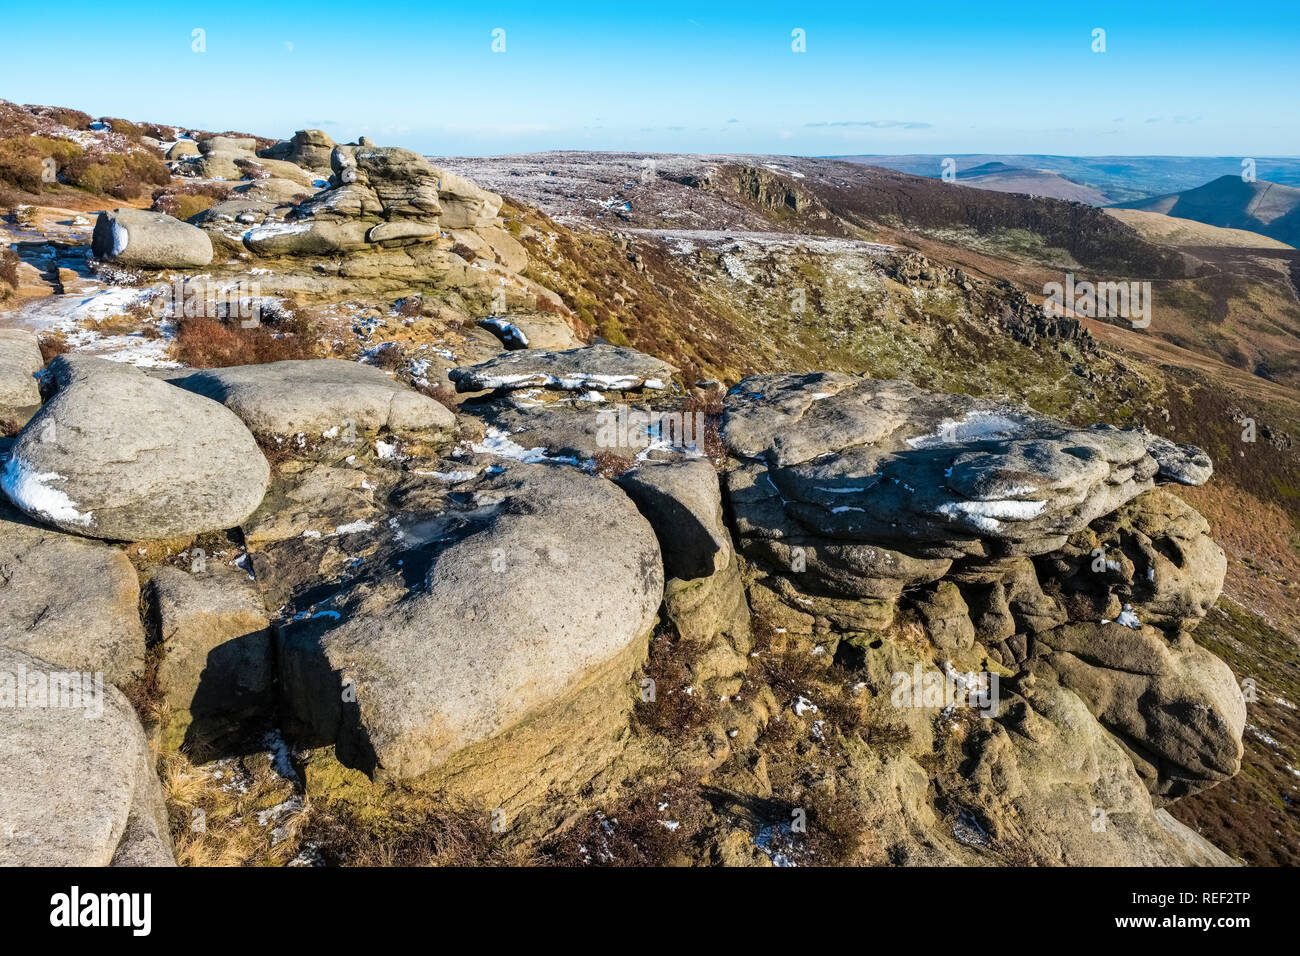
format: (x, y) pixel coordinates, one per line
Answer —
(351, 623)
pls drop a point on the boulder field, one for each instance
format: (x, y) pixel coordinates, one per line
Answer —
(464, 603)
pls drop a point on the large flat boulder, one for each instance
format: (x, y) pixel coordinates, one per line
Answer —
(885, 463)
(117, 454)
(78, 787)
(313, 396)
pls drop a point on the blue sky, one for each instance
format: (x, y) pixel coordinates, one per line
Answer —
(901, 77)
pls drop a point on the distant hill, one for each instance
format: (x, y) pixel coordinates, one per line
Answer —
(1121, 178)
(1270, 209)
(1004, 178)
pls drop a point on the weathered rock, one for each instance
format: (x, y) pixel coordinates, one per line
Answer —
(405, 182)
(150, 240)
(514, 622)
(1154, 554)
(117, 454)
(182, 149)
(947, 618)
(306, 237)
(78, 787)
(259, 167)
(1045, 760)
(1175, 706)
(215, 674)
(537, 330)
(309, 148)
(932, 475)
(274, 190)
(227, 144)
(507, 250)
(580, 369)
(315, 396)
(465, 205)
(20, 360)
(67, 600)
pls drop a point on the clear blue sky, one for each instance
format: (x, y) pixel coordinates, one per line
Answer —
(660, 75)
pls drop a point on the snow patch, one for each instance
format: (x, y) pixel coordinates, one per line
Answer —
(29, 490)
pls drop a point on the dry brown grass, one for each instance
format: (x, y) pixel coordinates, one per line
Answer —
(410, 307)
(661, 827)
(388, 356)
(678, 709)
(234, 812)
(440, 393)
(143, 690)
(216, 343)
(52, 345)
(413, 829)
(8, 269)
(711, 406)
(609, 465)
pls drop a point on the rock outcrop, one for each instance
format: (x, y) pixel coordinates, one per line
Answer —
(575, 370)
(1043, 548)
(215, 670)
(465, 671)
(69, 601)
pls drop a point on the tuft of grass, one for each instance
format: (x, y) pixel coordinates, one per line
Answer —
(661, 827)
(413, 830)
(679, 709)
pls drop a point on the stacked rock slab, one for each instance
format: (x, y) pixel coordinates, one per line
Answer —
(597, 367)
(378, 196)
(848, 492)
